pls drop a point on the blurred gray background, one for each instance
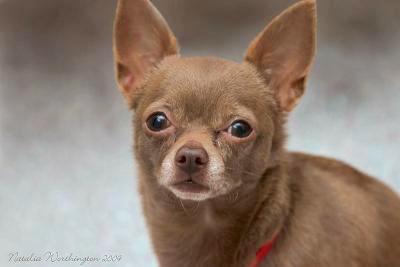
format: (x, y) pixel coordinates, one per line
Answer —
(67, 177)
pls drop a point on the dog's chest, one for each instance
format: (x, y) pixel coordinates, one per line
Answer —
(202, 240)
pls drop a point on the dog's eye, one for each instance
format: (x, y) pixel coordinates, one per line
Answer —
(157, 122)
(240, 129)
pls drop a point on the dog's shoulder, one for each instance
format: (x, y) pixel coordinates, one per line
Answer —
(333, 197)
(323, 168)
(331, 180)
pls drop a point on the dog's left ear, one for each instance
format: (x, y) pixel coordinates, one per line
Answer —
(284, 50)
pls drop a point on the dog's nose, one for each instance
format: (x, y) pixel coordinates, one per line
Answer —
(191, 159)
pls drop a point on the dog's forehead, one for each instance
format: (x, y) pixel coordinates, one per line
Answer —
(205, 87)
(206, 72)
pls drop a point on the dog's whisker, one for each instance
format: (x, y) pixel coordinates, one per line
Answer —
(196, 208)
(245, 172)
(183, 206)
(236, 196)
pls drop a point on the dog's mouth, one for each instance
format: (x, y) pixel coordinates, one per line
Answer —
(190, 186)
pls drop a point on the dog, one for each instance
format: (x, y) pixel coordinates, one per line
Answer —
(217, 186)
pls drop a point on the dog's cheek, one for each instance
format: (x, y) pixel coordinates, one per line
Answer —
(235, 157)
(261, 154)
(250, 160)
(143, 154)
(227, 155)
(151, 151)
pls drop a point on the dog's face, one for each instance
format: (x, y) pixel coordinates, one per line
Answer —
(200, 124)
(206, 127)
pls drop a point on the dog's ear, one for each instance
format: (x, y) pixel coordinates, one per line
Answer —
(284, 50)
(142, 38)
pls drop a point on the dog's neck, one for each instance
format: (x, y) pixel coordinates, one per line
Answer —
(225, 231)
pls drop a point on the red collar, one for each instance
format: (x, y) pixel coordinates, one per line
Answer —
(263, 251)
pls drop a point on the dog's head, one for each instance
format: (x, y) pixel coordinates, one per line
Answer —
(205, 127)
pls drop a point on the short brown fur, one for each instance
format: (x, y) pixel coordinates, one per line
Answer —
(324, 212)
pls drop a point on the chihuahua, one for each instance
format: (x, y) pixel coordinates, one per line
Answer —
(217, 186)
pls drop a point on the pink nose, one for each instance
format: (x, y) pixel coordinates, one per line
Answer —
(191, 159)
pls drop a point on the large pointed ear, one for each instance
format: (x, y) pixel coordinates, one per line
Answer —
(284, 50)
(142, 38)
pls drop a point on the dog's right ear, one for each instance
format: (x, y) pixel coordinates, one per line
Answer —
(142, 38)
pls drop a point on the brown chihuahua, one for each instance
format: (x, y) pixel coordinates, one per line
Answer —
(218, 187)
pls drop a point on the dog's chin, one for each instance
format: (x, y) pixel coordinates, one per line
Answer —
(194, 191)
(190, 190)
